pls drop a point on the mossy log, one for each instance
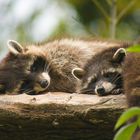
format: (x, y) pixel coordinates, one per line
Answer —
(59, 116)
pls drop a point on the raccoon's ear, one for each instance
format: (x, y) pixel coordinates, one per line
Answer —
(119, 55)
(78, 73)
(14, 47)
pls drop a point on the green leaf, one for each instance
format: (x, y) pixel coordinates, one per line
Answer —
(138, 121)
(126, 132)
(135, 48)
(134, 111)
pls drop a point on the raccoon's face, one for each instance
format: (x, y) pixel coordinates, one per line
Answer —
(38, 78)
(24, 70)
(103, 83)
(103, 74)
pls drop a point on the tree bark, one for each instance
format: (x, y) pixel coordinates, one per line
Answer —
(59, 116)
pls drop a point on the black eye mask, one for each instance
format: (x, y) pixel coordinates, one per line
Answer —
(39, 65)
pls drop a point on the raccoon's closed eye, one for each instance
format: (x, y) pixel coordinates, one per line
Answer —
(110, 74)
(38, 64)
(33, 68)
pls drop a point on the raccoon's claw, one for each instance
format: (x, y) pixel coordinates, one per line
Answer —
(117, 91)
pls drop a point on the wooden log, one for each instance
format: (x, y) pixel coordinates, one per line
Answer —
(59, 116)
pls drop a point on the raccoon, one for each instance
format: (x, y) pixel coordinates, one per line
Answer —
(53, 66)
(103, 73)
(131, 77)
(16, 67)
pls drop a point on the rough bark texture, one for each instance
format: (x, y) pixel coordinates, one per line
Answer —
(59, 116)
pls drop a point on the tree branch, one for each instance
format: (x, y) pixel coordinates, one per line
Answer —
(123, 12)
(113, 19)
(59, 116)
(101, 9)
(109, 2)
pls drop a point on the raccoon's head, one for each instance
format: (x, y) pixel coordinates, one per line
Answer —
(103, 73)
(25, 69)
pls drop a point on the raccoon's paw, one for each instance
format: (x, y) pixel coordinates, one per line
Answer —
(117, 91)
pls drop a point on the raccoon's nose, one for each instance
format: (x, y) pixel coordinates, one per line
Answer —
(100, 91)
(44, 83)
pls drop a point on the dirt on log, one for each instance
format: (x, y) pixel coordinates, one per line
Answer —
(59, 116)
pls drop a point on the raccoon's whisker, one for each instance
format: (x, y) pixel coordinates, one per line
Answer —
(117, 79)
(28, 91)
(47, 68)
(118, 74)
(23, 90)
(112, 81)
(87, 90)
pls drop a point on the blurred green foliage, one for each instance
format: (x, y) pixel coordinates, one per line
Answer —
(94, 21)
(71, 17)
(126, 132)
(135, 48)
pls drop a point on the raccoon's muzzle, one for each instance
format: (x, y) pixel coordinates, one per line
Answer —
(44, 83)
(100, 91)
(103, 88)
